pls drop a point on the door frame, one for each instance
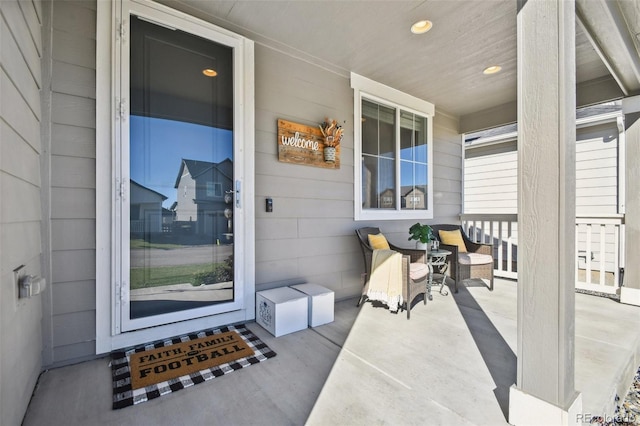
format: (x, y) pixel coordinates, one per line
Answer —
(109, 106)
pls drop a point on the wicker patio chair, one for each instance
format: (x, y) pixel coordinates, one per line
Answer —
(476, 263)
(411, 287)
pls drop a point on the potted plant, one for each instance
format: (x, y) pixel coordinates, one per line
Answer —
(332, 134)
(422, 234)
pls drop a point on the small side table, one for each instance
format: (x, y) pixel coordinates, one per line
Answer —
(437, 258)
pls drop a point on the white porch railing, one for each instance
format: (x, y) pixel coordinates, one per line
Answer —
(502, 231)
(599, 247)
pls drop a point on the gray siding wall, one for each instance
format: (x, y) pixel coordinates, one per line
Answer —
(447, 169)
(308, 237)
(20, 206)
(70, 332)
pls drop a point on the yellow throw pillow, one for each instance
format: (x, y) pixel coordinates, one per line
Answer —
(453, 238)
(378, 242)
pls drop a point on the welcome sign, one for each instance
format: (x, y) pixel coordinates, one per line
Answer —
(158, 365)
(300, 144)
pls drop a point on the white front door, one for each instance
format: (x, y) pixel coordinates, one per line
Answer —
(179, 217)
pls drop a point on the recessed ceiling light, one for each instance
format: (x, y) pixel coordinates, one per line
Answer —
(421, 27)
(209, 72)
(492, 69)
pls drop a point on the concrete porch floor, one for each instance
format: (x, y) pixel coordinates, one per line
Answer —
(452, 363)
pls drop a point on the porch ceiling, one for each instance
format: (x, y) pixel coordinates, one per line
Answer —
(445, 65)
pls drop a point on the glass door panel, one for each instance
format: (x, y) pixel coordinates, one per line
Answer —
(181, 176)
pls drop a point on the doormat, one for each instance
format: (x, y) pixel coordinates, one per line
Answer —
(146, 372)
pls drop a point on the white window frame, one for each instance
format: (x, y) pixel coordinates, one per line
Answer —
(365, 88)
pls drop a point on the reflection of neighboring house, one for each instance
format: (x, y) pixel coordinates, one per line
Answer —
(414, 198)
(167, 219)
(387, 198)
(146, 212)
(201, 187)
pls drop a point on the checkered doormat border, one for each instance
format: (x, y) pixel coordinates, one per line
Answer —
(124, 396)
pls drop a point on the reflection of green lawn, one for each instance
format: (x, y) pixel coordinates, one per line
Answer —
(140, 243)
(167, 275)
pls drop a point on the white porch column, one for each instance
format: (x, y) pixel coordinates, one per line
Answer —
(630, 291)
(544, 392)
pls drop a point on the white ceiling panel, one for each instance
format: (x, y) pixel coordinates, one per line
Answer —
(372, 38)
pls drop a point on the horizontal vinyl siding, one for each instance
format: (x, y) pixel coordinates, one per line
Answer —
(20, 203)
(491, 183)
(309, 236)
(597, 170)
(491, 175)
(73, 176)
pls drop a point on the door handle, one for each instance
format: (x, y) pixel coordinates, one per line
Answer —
(236, 192)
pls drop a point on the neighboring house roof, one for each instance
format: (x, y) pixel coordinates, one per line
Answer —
(197, 168)
(596, 110)
(226, 168)
(406, 190)
(510, 131)
(491, 133)
(144, 188)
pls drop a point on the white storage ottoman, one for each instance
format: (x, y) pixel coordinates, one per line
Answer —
(321, 301)
(281, 310)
